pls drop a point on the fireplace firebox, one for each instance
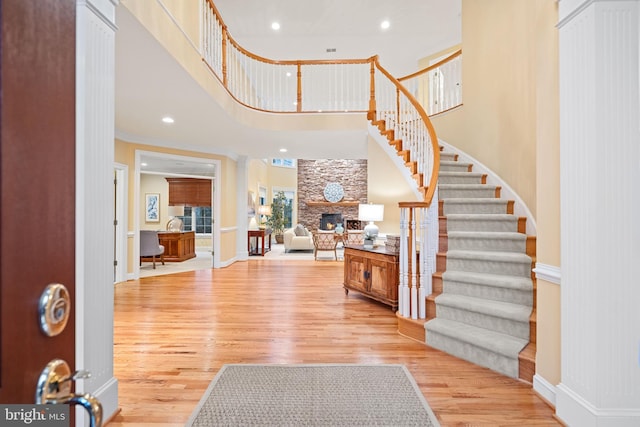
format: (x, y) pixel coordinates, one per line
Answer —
(328, 221)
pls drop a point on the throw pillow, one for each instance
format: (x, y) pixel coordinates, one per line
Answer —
(299, 230)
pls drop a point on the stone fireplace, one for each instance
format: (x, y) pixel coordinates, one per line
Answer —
(314, 175)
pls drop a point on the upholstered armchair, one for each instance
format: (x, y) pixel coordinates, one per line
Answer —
(297, 239)
(150, 246)
(324, 241)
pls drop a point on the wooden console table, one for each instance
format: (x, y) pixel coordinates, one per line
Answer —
(260, 235)
(373, 273)
(178, 245)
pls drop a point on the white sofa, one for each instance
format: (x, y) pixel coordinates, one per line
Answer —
(293, 242)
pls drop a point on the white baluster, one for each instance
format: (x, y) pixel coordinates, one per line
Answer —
(425, 273)
(414, 266)
(403, 293)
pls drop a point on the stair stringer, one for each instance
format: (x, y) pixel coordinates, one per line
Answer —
(383, 142)
(520, 208)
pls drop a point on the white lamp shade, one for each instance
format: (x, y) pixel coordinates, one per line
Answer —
(176, 211)
(370, 212)
(264, 210)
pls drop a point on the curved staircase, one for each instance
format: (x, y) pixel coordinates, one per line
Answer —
(482, 308)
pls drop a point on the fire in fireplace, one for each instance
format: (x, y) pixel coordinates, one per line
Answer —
(330, 220)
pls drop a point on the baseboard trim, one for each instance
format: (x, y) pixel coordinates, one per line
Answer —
(228, 262)
(107, 394)
(573, 410)
(548, 273)
(545, 389)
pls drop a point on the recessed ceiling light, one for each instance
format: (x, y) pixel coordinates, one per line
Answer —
(384, 24)
(275, 26)
(283, 150)
(167, 119)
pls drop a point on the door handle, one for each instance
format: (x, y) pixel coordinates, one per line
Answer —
(54, 387)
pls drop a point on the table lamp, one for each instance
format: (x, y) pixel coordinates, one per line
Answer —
(370, 212)
(175, 223)
(264, 211)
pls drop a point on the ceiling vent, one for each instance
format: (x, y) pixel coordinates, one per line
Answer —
(331, 49)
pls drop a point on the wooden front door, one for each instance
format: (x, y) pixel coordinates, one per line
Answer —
(37, 188)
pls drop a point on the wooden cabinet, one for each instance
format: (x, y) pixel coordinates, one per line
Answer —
(178, 246)
(372, 272)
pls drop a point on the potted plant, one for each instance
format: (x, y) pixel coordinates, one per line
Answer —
(368, 240)
(277, 219)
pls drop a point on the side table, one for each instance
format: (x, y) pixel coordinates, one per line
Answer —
(261, 235)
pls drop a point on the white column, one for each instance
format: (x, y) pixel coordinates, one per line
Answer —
(600, 175)
(95, 75)
(242, 220)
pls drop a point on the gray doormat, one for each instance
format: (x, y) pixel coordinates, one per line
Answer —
(313, 395)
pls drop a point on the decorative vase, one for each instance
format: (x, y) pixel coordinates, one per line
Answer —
(339, 229)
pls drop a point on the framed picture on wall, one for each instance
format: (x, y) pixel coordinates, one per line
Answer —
(152, 207)
(251, 204)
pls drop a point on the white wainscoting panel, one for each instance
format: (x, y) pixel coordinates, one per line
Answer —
(95, 52)
(599, 163)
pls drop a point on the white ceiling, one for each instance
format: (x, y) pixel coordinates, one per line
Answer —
(150, 84)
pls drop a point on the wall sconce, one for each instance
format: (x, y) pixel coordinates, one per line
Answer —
(175, 224)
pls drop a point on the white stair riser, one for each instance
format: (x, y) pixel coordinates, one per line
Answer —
(497, 324)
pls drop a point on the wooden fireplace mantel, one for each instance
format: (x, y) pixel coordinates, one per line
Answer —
(325, 203)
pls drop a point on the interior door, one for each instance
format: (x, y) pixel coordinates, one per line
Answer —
(37, 187)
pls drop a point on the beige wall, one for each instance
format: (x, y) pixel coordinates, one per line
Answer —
(499, 55)
(548, 188)
(386, 185)
(509, 121)
(153, 184)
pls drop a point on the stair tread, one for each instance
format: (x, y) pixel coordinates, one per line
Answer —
(506, 235)
(496, 342)
(470, 200)
(488, 279)
(454, 173)
(453, 162)
(489, 255)
(466, 186)
(484, 217)
(501, 309)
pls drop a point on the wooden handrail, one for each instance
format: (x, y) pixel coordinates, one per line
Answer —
(432, 66)
(433, 179)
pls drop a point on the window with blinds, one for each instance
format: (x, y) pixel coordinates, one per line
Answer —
(195, 195)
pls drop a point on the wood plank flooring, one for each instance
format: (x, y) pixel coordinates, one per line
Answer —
(173, 333)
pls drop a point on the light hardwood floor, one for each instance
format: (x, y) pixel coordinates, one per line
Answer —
(173, 333)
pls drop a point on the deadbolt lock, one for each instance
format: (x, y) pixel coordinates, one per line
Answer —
(54, 309)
